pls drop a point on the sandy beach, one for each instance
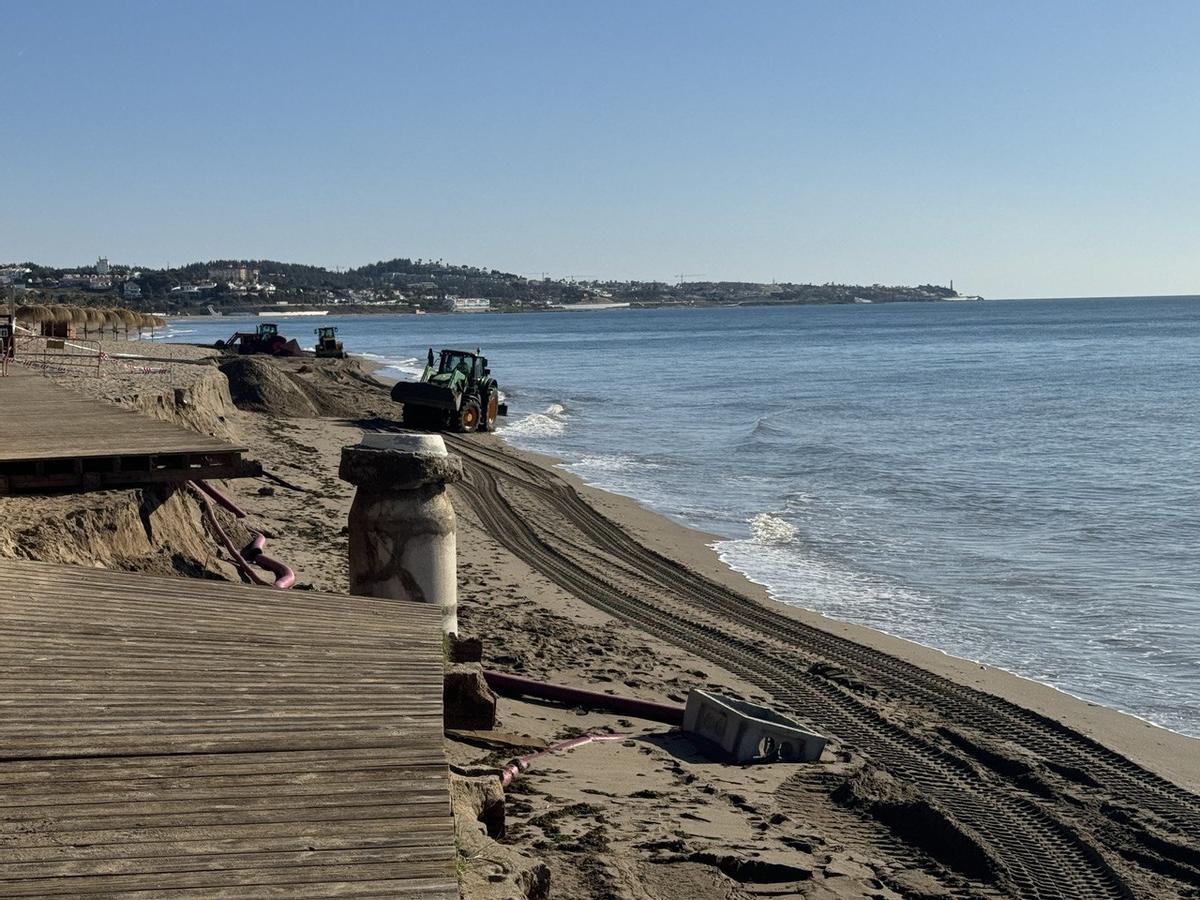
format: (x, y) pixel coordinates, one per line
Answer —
(943, 777)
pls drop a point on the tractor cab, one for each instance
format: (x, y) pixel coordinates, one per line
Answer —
(328, 346)
(266, 330)
(472, 365)
(452, 361)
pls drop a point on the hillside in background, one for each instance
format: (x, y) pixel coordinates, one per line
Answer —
(401, 285)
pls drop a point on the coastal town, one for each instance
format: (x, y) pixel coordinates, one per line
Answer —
(410, 286)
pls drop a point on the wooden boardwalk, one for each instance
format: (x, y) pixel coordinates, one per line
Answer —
(53, 438)
(170, 737)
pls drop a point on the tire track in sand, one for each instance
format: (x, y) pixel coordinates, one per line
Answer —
(1037, 854)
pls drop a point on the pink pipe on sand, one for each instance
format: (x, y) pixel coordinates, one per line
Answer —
(284, 576)
(522, 763)
(206, 505)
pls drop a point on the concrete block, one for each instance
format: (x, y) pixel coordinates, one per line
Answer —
(427, 444)
(746, 731)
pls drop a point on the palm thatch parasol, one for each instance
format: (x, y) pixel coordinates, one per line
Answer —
(95, 319)
(111, 320)
(128, 317)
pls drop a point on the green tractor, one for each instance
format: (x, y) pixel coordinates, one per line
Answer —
(456, 393)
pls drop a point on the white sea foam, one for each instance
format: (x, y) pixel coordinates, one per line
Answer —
(548, 423)
(408, 367)
(769, 529)
(794, 573)
(612, 462)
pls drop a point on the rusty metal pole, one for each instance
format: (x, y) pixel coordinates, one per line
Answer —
(402, 525)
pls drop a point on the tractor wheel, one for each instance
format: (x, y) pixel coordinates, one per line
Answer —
(491, 409)
(468, 417)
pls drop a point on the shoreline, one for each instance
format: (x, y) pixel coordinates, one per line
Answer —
(574, 585)
(1168, 753)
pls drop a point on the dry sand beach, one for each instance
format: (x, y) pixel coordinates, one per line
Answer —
(942, 778)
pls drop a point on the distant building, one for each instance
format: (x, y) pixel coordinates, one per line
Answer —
(238, 273)
(471, 304)
(102, 267)
(13, 275)
(131, 290)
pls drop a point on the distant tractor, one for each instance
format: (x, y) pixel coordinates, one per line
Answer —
(328, 346)
(456, 393)
(263, 339)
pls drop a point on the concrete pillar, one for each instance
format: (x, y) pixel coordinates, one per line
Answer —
(402, 528)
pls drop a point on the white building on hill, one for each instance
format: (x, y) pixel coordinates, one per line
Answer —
(472, 304)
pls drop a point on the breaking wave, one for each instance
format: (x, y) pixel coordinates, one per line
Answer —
(769, 529)
(550, 422)
(408, 367)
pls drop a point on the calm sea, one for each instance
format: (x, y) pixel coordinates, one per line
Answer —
(1012, 481)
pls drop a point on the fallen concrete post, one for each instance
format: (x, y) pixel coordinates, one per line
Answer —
(402, 526)
(516, 686)
(746, 731)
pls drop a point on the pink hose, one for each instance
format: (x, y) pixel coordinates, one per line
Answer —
(239, 560)
(284, 576)
(220, 498)
(522, 763)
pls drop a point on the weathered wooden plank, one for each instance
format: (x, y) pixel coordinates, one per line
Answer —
(300, 762)
(423, 888)
(416, 815)
(169, 737)
(133, 844)
(169, 882)
(165, 864)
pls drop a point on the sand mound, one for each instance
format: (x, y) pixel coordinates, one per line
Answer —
(156, 529)
(256, 384)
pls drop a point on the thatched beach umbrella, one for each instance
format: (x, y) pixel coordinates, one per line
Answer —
(60, 314)
(95, 319)
(111, 320)
(32, 314)
(128, 317)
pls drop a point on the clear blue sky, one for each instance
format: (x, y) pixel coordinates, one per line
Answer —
(1023, 149)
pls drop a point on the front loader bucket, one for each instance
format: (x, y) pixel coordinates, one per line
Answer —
(421, 393)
